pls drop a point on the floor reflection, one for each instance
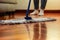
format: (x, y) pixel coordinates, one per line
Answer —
(39, 31)
(43, 31)
(27, 27)
(36, 31)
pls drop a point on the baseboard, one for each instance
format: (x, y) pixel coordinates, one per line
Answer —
(46, 11)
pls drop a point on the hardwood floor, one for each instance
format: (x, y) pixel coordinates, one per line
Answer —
(33, 31)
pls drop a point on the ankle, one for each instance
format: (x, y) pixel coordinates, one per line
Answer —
(42, 10)
(36, 10)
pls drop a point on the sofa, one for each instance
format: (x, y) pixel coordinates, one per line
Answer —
(7, 7)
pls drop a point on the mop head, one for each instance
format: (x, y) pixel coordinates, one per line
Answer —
(24, 21)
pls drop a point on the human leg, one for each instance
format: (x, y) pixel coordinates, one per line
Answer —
(36, 7)
(43, 5)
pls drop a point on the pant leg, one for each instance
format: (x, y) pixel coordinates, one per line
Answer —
(36, 4)
(43, 4)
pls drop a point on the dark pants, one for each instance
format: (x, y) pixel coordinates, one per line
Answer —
(43, 4)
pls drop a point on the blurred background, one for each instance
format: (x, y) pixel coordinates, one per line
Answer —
(51, 4)
(22, 5)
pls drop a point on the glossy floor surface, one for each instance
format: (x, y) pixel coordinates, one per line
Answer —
(32, 31)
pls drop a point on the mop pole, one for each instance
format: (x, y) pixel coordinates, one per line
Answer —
(27, 12)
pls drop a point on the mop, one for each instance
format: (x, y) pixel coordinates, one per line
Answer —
(27, 19)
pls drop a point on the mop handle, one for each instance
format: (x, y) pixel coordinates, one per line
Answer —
(27, 12)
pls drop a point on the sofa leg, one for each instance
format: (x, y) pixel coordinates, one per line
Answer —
(7, 15)
(2, 17)
(11, 15)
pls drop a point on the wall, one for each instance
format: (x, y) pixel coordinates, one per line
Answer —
(51, 4)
